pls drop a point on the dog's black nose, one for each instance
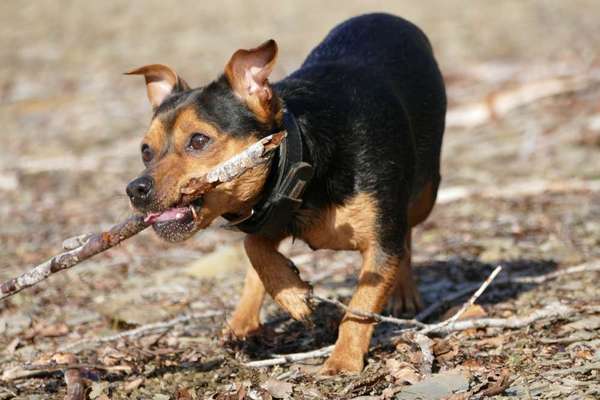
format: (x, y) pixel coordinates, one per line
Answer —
(140, 190)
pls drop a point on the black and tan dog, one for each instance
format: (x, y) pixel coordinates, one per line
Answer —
(364, 117)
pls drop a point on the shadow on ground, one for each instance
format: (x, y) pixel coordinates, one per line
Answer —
(438, 280)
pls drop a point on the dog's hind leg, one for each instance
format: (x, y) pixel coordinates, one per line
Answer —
(405, 298)
(376, 281)
(246, 317)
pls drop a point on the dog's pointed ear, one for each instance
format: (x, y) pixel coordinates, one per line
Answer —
(161, 81)
(248, 71)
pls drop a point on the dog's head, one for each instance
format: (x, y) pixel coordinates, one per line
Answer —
(194, 130)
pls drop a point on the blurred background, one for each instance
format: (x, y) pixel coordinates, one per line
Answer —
(520, 170)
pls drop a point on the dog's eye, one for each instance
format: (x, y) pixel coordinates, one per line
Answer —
(147, 154)
(198, 141)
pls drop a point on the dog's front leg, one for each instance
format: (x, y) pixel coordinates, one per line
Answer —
(279, 276)
(246, 317)
(376, 281)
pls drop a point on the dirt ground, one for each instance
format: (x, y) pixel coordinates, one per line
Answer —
(521, 189)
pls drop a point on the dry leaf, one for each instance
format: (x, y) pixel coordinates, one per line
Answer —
(390, 392)
(98, 390)
(591, 323)
(111, 356)
(133, 385)
(499, 386)
(278, 389)
(183, 394)
(473, 311)
(12, 346)
(44, 330)
(402, 372)
(585, 354)
(403, 347)
(495, 341)
(472, 363)
(445, 350)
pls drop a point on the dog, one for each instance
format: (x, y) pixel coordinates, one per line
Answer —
(359, 168)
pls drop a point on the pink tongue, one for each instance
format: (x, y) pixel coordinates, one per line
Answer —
(171, 214)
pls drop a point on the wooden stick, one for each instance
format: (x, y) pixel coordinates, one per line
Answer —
(426, 346)
(96, 244)
(288, 358)
(517, 189)
(54, 366)
(76, 388)
(468, 304)
(424, 343)
(370, 315)
(551, 311)
(142, 330)
(499, 103)
(591, 266)
(254, 155)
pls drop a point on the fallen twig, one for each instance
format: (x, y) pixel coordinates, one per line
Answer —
(591, 266)
(498, 387)
(53, 367)
(501, 102)
(369, 315)
(75, 385)
(18, 372)
(288, 358)
(576, 370)
(142, 330)
(95, 244)
(426, 346)
(516, 189)
(411, 322)
(31, 370)
(452, 324)
(252, 156)
(468, 304)
(552, 311)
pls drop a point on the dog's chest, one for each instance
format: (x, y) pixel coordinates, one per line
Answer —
(351, 226)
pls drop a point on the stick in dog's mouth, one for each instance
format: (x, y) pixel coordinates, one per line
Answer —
(254, 155)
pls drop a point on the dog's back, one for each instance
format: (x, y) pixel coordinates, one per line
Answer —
(384, 67)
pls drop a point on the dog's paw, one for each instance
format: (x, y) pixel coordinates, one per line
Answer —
(343, 361)
(295, 301)
(405, 299)
(240, 329)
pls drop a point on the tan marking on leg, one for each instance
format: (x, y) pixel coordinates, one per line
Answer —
(405, 298)
(349, 227)
(420, 206)
(246, 317)
(376, 281)
(279, 279)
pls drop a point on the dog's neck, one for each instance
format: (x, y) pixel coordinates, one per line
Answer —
(281, 197)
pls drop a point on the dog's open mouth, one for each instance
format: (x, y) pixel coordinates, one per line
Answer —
(176, 223)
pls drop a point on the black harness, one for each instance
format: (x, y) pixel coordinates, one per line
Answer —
(286, 183)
